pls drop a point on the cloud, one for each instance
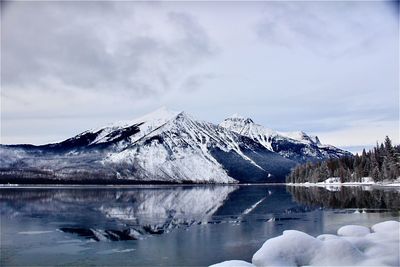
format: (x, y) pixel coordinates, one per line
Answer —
(363, 132)
(321, 67)
(328, 29)
(79, 44)
(197, 81)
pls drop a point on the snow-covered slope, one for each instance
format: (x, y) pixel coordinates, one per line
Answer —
(297, 146)
(118, 134)
(246, 127)
(188, 150)
(166, 146)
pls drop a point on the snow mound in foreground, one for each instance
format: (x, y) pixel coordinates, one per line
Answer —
(353, 230)
(353, 245)
(235, 263)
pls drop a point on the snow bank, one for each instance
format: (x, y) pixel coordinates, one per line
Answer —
(353, 230)
(332, 180)
(353, 245)
(335, 181)
(385, 227)
(293, 248)
(235, 263)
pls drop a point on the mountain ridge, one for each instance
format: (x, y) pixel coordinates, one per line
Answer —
(166, 146)
(310, 147)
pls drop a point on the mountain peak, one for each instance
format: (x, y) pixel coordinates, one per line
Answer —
(161, 113)
(239, 118)
(302, 136)
(171, 146)
(157, 116)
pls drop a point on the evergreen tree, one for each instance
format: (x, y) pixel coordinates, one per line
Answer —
(375, 174)
(380, 163)
(324, 172)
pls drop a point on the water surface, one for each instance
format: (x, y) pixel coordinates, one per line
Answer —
(173, 225)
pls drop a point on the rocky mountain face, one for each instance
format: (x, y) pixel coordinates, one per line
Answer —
(166, 147)
(297, 146)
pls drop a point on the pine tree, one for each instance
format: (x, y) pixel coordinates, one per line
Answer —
(324, 172)
(385, 168)
(375, 174)
(382, 162)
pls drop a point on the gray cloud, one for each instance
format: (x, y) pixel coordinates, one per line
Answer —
(197, 81)
(328, 29)
(322, 67)
(79, 45)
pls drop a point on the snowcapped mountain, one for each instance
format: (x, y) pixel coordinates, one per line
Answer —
(297, 146)
(185, 149)
(165, 146)
(119, 134)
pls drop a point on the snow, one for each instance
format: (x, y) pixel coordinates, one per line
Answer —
(385, 227)
(165, 146)
(265, 136)
(293, 248)
(334, 183)
(298, 136)
(246, 127)
(169, 146)
(353, 230)
(391, 183)
(367, 180)
(336, 251)
(184, 152)
(148, 123)
(235, 263)
(353, 245)
(336, 180)
(332, 180)
(301, 136)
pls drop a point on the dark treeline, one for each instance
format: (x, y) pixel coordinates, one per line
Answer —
(381, 163)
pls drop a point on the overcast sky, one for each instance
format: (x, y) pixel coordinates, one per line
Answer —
(327, 68)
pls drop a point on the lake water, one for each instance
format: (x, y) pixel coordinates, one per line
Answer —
(173, 225)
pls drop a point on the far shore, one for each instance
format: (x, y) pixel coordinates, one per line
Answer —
(144, 185)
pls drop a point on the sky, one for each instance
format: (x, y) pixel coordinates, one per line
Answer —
(328, 68)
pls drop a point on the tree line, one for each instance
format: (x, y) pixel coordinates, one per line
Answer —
(380, 163)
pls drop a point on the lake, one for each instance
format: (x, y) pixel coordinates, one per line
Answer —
(173, 225)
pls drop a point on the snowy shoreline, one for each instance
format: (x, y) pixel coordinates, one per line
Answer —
(335, 181)
(320, 184)
(345, 184)
(353, 245)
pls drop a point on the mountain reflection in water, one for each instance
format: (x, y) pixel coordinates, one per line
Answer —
(132, 213)
(117, 214)
(172, 225)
